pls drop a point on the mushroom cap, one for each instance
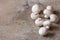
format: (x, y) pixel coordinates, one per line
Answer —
(34, 16)
(42, 31)
(47, 23)
(38, 22)
(47, 12)
(35, 8)
(53, 18)
(49, 7)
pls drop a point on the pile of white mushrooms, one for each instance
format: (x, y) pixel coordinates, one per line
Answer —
(49, 18)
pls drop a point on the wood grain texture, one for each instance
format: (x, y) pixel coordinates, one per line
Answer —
(17, 25)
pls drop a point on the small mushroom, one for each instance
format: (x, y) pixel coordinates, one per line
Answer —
(45, 16)
(53, 18)
(47, 27)
(36, 8)
(34, 16)
(49, 7)
(47, 12)
(39, 22)
(43, 31)
(47, 23)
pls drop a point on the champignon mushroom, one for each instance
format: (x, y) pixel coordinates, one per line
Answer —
(49, 7)
(53, 18)
(43, 31)
(45, 16)
(47, 12)
(47, 27)
(34, 16)
(38, 22)
(36, 8)
(47, 23)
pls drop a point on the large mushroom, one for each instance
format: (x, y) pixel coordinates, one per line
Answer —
(43, 31)
(36, 8)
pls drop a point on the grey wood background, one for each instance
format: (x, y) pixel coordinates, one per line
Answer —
(16, 24)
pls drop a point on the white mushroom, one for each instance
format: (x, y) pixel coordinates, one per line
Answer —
(43, 31)
(53, 18)
(34, 16)
(47, 12)
(49, 7)
(47, 23)
(36, 8)
(39, 22)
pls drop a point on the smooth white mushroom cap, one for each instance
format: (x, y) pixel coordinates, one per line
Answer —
(34, 16)
(49, 7)
(53, 18)
(36, 8)
(47, 23)
(42, 31)
(47, 12)
(39, 22)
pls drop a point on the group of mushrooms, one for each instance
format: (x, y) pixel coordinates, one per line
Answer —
(43, 22)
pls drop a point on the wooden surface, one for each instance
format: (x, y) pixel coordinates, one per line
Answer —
(16, 24)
